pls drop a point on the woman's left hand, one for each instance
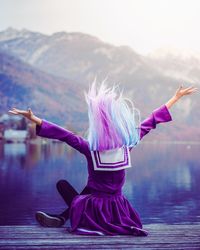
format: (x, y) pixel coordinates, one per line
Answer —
(180, 92)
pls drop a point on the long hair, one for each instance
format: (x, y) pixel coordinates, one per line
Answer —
(113, 120)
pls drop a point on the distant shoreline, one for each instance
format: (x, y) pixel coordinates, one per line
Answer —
(172, 142)
(46, 141)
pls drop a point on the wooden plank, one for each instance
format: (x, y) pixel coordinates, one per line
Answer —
(161, 236)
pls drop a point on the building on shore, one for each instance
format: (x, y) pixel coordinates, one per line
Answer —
(11, 135)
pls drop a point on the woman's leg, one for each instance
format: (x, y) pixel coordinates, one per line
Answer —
(68, 193)
(66, 190)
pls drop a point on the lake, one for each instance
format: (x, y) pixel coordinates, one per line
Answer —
(162, 185)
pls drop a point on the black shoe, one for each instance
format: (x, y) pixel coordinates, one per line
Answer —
(47, 220)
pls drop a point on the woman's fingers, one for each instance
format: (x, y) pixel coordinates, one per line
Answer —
(185, 91)
(189, 90)
(30, 111)
(192, 90)
(192, 87)
(16, 111)
(12, 112)
(179, 88)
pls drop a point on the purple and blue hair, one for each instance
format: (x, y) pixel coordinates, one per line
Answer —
(113, 120)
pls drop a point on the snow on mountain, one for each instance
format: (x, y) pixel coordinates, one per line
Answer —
(72, 55)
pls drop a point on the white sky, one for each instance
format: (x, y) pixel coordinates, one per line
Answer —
(144, 25)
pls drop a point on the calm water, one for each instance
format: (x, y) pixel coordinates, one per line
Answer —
(163, 184)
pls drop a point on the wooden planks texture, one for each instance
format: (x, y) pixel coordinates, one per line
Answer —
(161, 236)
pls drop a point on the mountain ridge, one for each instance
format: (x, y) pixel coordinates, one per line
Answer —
(80, 58)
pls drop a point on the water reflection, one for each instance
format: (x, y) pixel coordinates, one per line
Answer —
(162, 185)
(14, 149)
(165, 183)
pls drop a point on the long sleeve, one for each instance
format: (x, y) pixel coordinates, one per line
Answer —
(53, 131)
(159, 115)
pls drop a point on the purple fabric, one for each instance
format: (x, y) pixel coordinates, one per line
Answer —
(105, 210)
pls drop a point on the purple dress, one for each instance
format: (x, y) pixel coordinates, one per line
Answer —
(105, 211)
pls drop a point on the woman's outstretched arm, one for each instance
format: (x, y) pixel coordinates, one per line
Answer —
(162, 114)
(53, 131)
(26, 113)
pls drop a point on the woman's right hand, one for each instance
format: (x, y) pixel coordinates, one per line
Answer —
(26, 113)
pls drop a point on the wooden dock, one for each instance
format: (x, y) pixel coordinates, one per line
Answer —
(161, 236)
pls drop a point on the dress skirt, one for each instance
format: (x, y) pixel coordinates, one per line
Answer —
(104, 214)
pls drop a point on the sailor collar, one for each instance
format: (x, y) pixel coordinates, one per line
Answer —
(111, 160)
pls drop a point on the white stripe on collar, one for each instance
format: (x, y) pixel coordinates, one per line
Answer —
(111, 160)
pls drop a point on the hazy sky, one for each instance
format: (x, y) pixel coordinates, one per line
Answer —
(144, 25)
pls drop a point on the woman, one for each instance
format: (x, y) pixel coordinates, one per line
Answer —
(102, 209)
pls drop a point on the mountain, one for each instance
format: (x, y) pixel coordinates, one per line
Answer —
(77, 56)
(23, 86)
(178, 63)
(82, 57)
(148, 81)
